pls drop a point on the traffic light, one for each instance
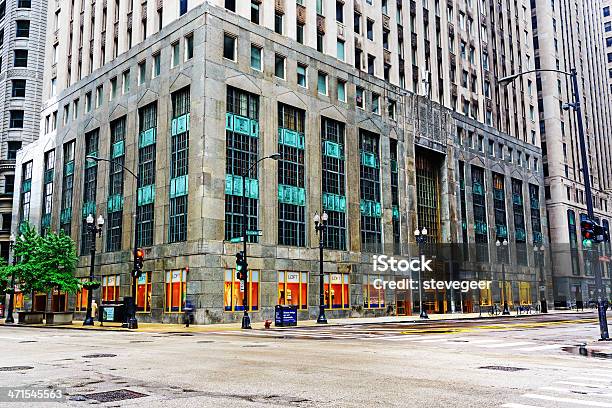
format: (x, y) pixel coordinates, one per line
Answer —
(587, 228)
(240, 266)
(138, 261)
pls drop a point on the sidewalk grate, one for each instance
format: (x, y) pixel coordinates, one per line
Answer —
(502, 368)
(115, 395)
(15, 368)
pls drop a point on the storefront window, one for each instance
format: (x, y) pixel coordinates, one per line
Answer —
(525, 293)
(486, 299)
(508, 293)
(110, 288)
(293, 289)
(59, 301)
(338, 294)
(372, 298)
(80, 304)
(176, 287)
(143, 293)
(233, 295)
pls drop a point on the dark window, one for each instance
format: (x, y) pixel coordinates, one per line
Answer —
(67, 186)
(183, 8)
(340, 11)
(2, 9)
(24, 4)
(90, 184)
(13, 146)
(47, 204)
(278, 23)
(230, 5)
(26, 186)
(480, 214)
(115, 185)
(19, 88)
(179, 168)
(334, 182)
(189, 47)
(21, 58)
(23, 28)
(16, 119)
(229, 47)
(357, 23)
(255, 12)
(113, 231)
(146, 174)
(6, 221)
(369, 190)
(370, 29)
(9, 184)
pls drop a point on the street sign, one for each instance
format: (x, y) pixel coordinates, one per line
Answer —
(256, 233)
(242, 286)
(236, 239)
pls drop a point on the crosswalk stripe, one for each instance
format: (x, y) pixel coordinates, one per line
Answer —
(608, 380)
(502, 344)
(568, 391)
(515, 405)
(577, 384)
(544, 347)
(569, 400)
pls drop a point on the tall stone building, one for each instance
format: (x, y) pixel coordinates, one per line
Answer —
(607, 22)
(190, 97)
(22, 44)
(569, 35)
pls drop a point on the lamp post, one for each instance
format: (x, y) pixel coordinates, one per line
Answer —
(132, 321)
(602, 303)
(320, 223)
(246, 320)
(420, 237)
(93, 230)
(539, 251)
(504, 246)
(9, 312)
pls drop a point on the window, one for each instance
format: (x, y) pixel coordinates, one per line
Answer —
(357, 23)
(255, 12)
(26, 191)
(75, 108)
(279, 66)
(143, 292)
(230, 5)
(24, 4)
(256, 57)
(142, 72)
(179, 165)
(278, 23)
(233, 297)
(156, 65)
(608, 26)
(340, 50)
(90, 182)
(115, 183)
(370, 195)
(372, 298)
(391, 108)
(99, 96)
(176, 50)
(126, 81)
(110, 288)
(370, 29)
(359, 100)
(67, 186)
(146, 173)
(334, 182)
(341, 90)
(176, 290)
(13, 146)
(113, 92)
(80, 304)
(301, 75)
(21, 58)
(340, 11)
(188, 47)
(16, 119)
(19, 88)
(293, 289)
(23, 28)
(322, 83)
(9, 184)
(229, 47)
(375, 103)
(371, 64)
(299, 33)
(606, 11)
(336, 290)
(320, 42)
(183, 7)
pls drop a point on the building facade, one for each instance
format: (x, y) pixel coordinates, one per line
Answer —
(569, 35)
(606, 12)
(22, 43)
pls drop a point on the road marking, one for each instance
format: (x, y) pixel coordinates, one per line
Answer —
(608, 380)
(544, 347)
(566, 391)
(514, 405)
(502, 344)
(581, 384)
(569, 400)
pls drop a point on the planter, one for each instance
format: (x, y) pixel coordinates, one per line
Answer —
(30, 317)
(58, 318)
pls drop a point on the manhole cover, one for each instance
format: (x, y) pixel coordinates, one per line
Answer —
(15, 368)
(502, 368)
(115, 395)
(101, 355)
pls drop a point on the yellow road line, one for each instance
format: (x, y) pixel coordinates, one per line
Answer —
(503, 326)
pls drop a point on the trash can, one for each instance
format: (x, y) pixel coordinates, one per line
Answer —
(285, 316)
(113, 313)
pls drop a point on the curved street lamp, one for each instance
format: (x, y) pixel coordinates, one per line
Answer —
(92, 229)
(320, 222)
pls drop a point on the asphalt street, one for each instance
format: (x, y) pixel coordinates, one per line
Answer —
(510, 362)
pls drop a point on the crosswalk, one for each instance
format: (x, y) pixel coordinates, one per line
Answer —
(594, 390)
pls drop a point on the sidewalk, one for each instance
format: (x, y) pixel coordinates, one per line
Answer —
(172, 328)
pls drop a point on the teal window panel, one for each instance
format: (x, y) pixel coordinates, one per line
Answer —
(501, 231)
(394, 166)
(396, 214)
(520, 234)
(26, 186)
(334, 202)
(118, 149)
(498, 194)
(180, 124)
(89, 207)
(535, 203)
(46, 220)
(146, 194)
(369, 159)
(291, 195)
(537, 237)
(114, 203)
(242, 125)
(229, 121)
(179, 186)
(254, 128)
(370, 208)
(333, 150)
(291, 138)
(49, 176)
(69, 168)
(147, 137)
(233, 186)
(480, 228)
(517, 199)
(91, 163)
(252, 188)
(477, 188)
(66, 215)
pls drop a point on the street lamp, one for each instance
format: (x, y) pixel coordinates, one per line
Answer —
(539, 252)
(602, 303)
(320, 223)
(421, 237)
(92, 229)
(246, 320)
(132, 321)
(9, 311)
(504, 246)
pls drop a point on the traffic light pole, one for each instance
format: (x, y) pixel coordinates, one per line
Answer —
(246, 320)
(592, 254)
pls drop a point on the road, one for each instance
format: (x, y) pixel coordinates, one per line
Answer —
(500, 362)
